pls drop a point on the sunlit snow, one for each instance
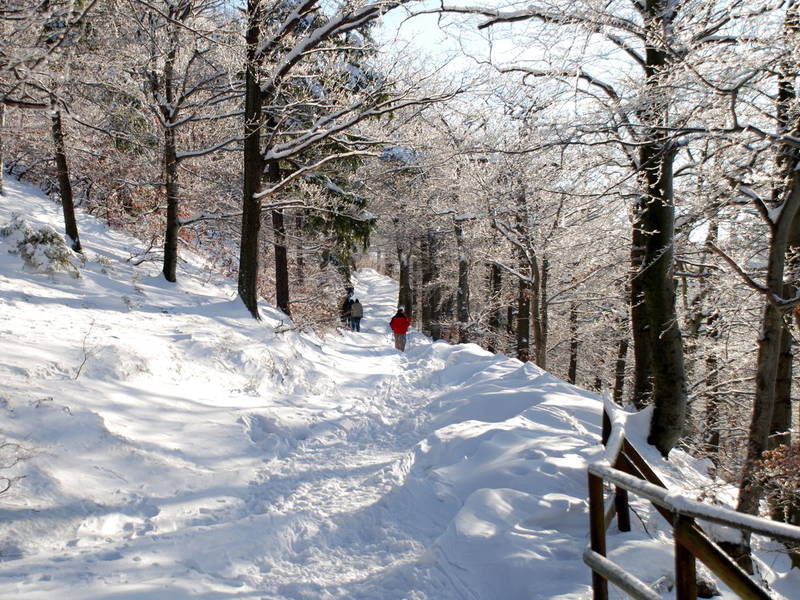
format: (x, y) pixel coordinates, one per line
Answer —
(174, 448)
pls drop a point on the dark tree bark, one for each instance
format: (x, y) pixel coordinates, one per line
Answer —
(539, 311)
(669, 379)
(173, 225)
(495, 290)
(170, 159)
(783, 232)
(431, 290)
(769, 349)
(572, 371)
(2, 145)
(253, 167)
(524, 316)
(462, 289)
(619, 370)
(524, 291)
(781, 427)
(279, 244)
(656, 157)
(64, 184)
(299, 258)
(404, 298)
(642, 391)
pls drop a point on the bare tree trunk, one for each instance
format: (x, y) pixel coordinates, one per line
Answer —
(769, 349)
(781, 427)
(539, 311)
(2, 146)
(64, 184)
(416, 286)
(404, 299)
(462, 289)
(524, 317)
(253, 167)
(170, 161)
(173, 224)
(642, 351)
(783, 232)
(572, 371)
(431, 291)
(495, 290)
(669, 379)
(279, 244)
(619, 370)
(524, 290)
(299, 259)
(657, 215)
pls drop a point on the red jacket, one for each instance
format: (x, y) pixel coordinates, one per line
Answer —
(400, 324)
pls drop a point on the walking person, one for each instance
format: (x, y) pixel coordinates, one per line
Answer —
(356, 313)
(347, 306)
(400, 323)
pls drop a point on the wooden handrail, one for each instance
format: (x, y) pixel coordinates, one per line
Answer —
(611, 571)
(631, 473)
(691, 508)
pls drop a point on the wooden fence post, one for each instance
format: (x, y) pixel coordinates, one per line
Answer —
(685, 565)
(597, 533)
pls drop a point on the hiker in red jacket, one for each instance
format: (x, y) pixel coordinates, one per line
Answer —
(400, 324)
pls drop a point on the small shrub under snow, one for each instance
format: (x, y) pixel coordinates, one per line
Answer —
(43, 249)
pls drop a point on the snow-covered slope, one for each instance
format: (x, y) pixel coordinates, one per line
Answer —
(175, 448)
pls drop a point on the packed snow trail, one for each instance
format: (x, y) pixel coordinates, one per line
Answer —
(175, 448)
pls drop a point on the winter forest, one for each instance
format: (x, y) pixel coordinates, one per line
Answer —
(609, 190)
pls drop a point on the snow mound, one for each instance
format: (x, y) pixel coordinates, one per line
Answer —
(42, 248)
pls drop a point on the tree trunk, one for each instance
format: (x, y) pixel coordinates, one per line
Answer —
(416, 286)
(769, 349)
(173, 223)
(431, 291)
(619, 370)
(669, 380)
(299, 259)
(64, 184)
(572, 371)
(2, 146)
(279, 244)
(524, 317)
(462, 289)
(253, 167)
(781, 427)
(404, 297)
(524, 291)
(170, 161)
(783, 232)
(656, 157)
(495, 290)
(539, 311)
(642, 393)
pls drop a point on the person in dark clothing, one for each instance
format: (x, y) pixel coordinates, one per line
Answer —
(400, 323)
(356, 313)
(345, 310)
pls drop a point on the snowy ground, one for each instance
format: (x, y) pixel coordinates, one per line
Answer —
(177, 449)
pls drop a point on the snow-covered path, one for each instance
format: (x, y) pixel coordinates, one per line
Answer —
(180, 449)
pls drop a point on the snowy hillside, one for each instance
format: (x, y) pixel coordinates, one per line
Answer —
(174, 448)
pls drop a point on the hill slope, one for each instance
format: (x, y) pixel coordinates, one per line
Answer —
(176, 448)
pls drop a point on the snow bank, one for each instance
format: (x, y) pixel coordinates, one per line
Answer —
(175, 448)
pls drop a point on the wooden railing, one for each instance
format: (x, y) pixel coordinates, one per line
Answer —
(631, 473)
